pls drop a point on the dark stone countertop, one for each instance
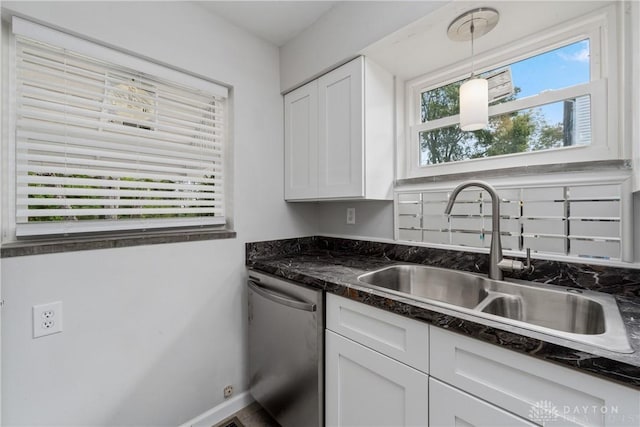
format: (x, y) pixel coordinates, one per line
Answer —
(334, 265)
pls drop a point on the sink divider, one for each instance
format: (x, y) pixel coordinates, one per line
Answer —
(491, 296)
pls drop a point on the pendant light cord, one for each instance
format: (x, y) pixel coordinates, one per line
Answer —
(473, 67)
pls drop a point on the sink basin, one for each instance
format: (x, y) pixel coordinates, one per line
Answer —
(573, 314)
(453, 287)
(567, 313)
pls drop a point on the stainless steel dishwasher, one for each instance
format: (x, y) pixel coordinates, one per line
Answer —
(286, 348)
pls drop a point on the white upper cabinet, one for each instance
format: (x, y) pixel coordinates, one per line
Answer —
(301, 126)
(341, 131)
(339, 135)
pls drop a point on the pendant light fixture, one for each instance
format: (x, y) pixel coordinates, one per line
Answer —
(474, 93)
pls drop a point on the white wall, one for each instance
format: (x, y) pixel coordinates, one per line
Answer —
(341, 33)
(374, 219)
(152, 334)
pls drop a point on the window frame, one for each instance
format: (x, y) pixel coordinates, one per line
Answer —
(598, 27)
(121, 58)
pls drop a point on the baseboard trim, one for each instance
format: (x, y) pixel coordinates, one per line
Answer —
(220, 412)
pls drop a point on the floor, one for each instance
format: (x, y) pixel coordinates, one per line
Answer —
(252, 416)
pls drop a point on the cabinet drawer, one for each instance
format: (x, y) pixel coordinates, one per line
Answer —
(452, 407)
(365, 388)
(531, 388)
(401, 338)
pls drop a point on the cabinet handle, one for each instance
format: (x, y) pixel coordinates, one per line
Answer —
(299, 305)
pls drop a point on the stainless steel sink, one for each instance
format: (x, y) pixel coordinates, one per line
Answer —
(453, 287)
(583, 316)
(553, 310)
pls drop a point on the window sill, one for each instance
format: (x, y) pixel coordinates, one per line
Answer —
(52, 246)
(601, 165)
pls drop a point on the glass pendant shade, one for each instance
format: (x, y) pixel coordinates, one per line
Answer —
(474, 104)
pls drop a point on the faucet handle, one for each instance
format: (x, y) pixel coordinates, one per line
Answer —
(529, 267)
(507, 264)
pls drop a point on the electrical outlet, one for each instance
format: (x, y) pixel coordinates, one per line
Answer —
(351, 215)
(228, 391)
(47, 319)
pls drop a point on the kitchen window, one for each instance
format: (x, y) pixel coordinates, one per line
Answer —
(548, 104)
(106, 141)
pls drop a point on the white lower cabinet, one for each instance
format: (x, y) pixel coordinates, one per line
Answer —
(450, 407)
(383, 369)
(366, 388)
(533, 389)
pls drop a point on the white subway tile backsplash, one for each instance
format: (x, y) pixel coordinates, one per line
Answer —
(434, 208)
(555, 245)
(435, 222)
(543, 209)
(593, 192)
(585, 228)
(436, 237)
(409, 197)
(410, 235)
(409, 209)
(577, 220)
(595, 209)
(604, 249)
(544, 226)
(406, 221)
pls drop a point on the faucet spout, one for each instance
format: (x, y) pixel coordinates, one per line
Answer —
(495, 251)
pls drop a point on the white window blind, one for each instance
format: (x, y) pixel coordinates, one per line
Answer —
(103, 147)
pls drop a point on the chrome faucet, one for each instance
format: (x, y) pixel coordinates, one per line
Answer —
(496, 262)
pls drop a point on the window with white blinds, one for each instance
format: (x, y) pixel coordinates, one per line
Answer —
(101, 146)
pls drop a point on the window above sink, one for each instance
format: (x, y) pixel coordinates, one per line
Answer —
(559, 104)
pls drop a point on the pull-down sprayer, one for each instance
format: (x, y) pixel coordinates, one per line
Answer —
(496, 262)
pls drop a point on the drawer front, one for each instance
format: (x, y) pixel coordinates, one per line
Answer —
(533, 389)
(398, 337)
(452, 407)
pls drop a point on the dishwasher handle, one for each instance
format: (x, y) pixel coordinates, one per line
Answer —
(299, 305)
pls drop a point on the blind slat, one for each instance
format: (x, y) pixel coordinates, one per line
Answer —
(43, 132)
(39, 140)
(82, 116)
(98, 203)
(114, 211)
(110, 183)
(70, 171)
(101, 99)
(76, 78)
(88, 165)
(69, 154)
(101, 192)
(88, 225)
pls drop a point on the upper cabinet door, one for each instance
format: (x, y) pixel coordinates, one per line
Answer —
(301, 142)
(341, 131)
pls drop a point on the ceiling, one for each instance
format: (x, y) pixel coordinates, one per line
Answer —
(423, 46)
(274, 21)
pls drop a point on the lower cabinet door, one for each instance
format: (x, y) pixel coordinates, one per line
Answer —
(366, 388)
(449, 406)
